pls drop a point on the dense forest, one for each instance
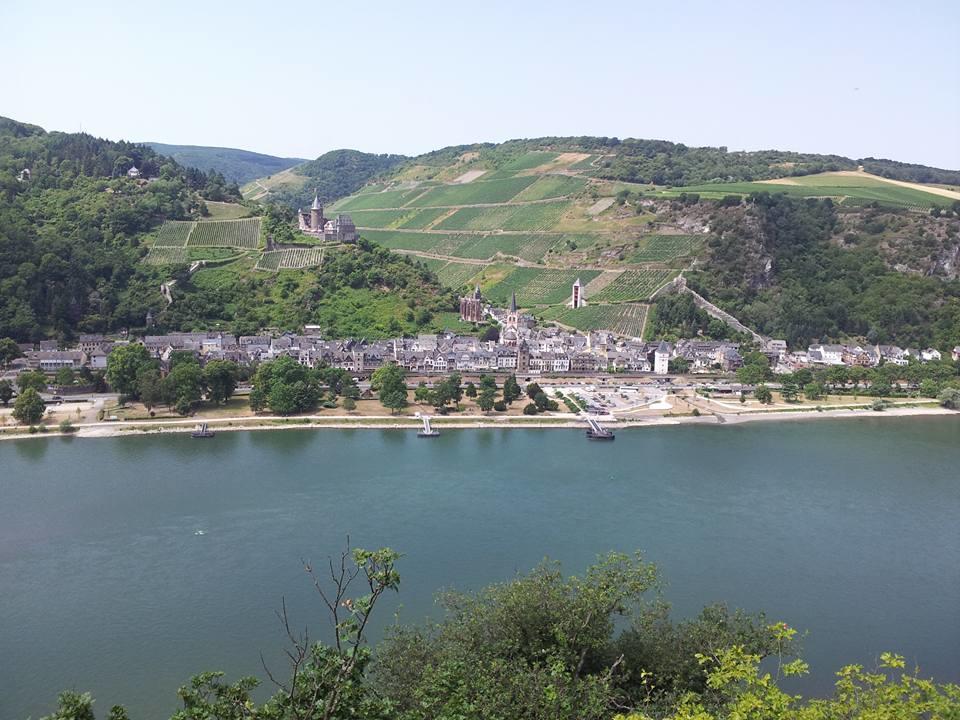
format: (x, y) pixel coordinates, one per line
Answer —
(334, 175)
(239, 166)
(541, 646)
(773, 265)
(71, 222)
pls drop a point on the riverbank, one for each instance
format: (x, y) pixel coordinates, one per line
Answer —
(409, 422)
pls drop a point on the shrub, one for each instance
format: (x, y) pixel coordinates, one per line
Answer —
(66, 426)
(500, 406)
(530, 409)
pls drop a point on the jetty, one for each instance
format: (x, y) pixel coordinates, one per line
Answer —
(427, 431)
(597, 432)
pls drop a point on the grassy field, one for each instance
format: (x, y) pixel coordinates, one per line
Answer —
(625, 319)
(634, 285)
(173, 233)
(536, 286)
(226, 233)
(226, 211)
(664, 248)
(860, 189)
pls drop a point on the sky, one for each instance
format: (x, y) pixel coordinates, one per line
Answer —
(297, 79)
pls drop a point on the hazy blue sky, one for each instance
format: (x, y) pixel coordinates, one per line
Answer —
(300, 78)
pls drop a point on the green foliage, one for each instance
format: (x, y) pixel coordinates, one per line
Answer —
(285, 387)
(333, 175)
(124, 364)
(32, 379)
(237, 166)
(66, 427)
(220, 379)
(511, 389)
(6, 392)
(677, 316)
(389, 381)
(9, 351)
(763, 394)
(950, 398)
(29, 407)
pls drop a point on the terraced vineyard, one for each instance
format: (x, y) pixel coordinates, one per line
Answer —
(539, 216)
(664, 248)
(551, 186)
(166, 255)
(422, 218)
(475, 193)
(290, 259)
(455, 275)
(226, 233)
(173, 233)
(634, 285)
(536, 286)
(380, 218)
(377, 200)
(624, 319)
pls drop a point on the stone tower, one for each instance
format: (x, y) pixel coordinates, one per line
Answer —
(316, 213)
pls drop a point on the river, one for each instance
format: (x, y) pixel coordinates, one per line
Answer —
(128, 564)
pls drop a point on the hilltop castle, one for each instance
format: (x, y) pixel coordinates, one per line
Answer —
(340, 229)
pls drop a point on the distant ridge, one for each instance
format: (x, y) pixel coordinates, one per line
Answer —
(234, 164)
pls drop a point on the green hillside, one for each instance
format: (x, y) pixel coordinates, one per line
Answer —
(240, 166)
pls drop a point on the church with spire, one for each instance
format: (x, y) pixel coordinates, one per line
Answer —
(312, 222)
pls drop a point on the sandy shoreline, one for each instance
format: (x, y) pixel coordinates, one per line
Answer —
(409, 422)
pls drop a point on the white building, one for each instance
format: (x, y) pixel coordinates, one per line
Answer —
(661, 359)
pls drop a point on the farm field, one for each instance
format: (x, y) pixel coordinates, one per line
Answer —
(551, 186)
(166, 255)
(859, 188)
(290, 259)
(387, 199)
(379, 218)
(536, 286)
(226, 233)
(634, 285)
(539, 216)
(225, 211)
(624, 319)
(664, 248)
(173, 233)
(455, 275)
(475, 193)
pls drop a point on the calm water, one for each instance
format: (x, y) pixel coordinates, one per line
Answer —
(850, 530)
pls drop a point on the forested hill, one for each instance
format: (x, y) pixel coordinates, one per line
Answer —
(71, 224)
(333, 175)
(235, 165)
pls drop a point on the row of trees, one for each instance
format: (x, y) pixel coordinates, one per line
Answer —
(133, 373)
(543, 646)
(285, 387)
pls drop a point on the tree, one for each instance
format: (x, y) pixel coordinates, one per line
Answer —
(511, 389)
(789, 389)
(486, 400)
(150, 387)
(65, 377)
(32, 379)
(29, 407)
(390, 381)
(9, 351)
(763, 394)
(950, 398)
(471, 390)
(183, 386)
(285, 386)
(929, 388)
(220, 377)
(422, 394)
(678, 365)
(349, 404)
(454, 390)
(532, 390)
(6, 392)
(530, 409)
(124, 364)
(813, 391)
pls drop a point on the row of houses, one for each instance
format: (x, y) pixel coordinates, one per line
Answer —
(540, 351)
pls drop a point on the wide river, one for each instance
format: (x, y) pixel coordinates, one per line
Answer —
(849, 530)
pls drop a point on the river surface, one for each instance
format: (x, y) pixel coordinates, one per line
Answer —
(849, 530)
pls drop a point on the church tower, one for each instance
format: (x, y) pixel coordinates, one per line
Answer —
(316, 213)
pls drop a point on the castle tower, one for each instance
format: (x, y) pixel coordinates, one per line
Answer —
(576, 295)
(316, 213)
(523, 357)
